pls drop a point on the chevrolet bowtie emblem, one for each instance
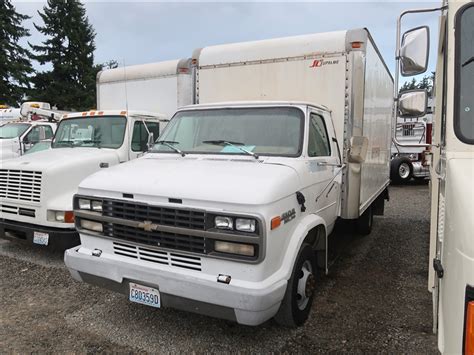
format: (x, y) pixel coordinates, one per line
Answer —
(148, 226)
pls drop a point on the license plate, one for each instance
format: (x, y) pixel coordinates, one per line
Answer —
(40, 238)
(145, 295)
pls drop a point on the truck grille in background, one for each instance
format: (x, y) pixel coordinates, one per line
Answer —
(158, 257)
(159, 215)
(408, 129)
(20, 185)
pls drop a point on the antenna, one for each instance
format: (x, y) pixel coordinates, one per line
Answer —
(125, 84)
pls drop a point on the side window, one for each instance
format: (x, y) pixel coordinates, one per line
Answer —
(318, 144)
(33, 136)
(139, 137)
(48, 132)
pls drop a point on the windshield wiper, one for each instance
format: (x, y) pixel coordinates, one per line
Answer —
(469, 61)
(71, 143)
(91, 141)
(232, 144)
(169, 144)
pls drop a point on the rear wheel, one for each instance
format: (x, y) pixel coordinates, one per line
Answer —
(296, 304)
(364, 223)
(401, 170)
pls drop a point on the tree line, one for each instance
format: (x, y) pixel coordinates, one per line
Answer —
(67, 52)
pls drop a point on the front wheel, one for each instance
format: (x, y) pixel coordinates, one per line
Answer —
(296, 304)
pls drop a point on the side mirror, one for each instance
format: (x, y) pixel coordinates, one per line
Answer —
(358, 149)
(151, 141)
(414, 51)
(412, 104)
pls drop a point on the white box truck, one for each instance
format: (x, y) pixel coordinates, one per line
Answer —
(235, 203)
(36, 191)
(451, 272)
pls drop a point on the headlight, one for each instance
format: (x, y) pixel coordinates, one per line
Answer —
(84, 204)
(245, 225)
(89, 205)
(91, 225)
(60, 216)
(224, 222)
(234, 248)
(96, 206)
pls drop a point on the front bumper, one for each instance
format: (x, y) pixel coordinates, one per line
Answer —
(24, 232)
(249, 306)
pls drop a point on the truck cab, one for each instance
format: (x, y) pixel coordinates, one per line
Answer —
(16, 138)
(36, 190)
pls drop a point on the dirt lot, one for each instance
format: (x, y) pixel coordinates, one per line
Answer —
(375, 300)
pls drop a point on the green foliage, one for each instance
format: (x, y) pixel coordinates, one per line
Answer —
(69, 50)
(426, 82)
(15, 65)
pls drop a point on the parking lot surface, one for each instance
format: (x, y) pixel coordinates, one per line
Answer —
(374, 300)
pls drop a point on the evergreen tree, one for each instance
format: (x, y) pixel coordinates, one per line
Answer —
(425, 83)
(69, 49)
(15, 65)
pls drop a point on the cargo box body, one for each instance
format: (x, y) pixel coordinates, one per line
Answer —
(340, 70)
(156, 87)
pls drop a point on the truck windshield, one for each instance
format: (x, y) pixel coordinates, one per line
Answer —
(274, 131)
(13, 130)
(99, 132)
(464, 117)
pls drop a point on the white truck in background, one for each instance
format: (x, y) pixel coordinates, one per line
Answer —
(410, 162)
(36, 191)
(8, 114)
(29, 126)
(237, 200)
(451, 272)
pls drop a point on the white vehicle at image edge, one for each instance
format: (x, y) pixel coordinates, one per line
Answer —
(229, 214)
(36, 190)
(451, 162)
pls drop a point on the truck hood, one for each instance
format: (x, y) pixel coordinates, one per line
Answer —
(62, 158)
(237, 181)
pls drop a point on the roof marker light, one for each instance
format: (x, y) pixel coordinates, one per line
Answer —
(357, 44)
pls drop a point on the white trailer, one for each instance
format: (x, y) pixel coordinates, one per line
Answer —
(240, 194)
(451, 272)
(156, 87)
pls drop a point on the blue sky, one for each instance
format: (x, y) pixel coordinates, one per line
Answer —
(142, 32)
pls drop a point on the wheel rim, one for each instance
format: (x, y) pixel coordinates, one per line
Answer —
(306, 285)
(404, 170)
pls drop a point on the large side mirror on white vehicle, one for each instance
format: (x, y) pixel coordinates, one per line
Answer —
(414, 51)
(358, 149)
(151, 141)
(413, 103)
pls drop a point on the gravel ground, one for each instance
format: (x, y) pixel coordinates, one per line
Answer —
(374, 300)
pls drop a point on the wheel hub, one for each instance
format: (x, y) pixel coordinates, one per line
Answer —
(404, 170)
(306, 285)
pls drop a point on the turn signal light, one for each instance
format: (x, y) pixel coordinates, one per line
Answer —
(469, 335)
(275, 223)
(69, 216)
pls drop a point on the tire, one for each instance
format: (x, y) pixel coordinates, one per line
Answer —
(364, 223)
(296, 304)
(401, 170)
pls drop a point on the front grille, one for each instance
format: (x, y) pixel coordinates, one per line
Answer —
(158, 256)
(20, 185)
(159, 215)
(182, 218)
(156, 238)
(408, 129)
(29, 212)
